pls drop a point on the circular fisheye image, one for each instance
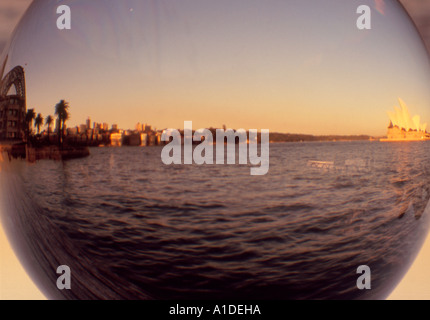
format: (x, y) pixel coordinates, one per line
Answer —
(215, 149)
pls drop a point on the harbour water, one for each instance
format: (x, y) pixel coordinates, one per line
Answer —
(130, 227)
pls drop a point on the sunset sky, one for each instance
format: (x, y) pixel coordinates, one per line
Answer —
(288, 66)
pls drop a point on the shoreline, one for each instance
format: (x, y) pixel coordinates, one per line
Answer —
(51, 152)
(403, 140)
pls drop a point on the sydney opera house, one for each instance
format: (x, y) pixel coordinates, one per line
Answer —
(403, 127)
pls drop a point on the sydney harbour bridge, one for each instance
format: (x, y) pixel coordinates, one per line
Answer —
(12, 103)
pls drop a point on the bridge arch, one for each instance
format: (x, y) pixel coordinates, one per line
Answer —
(15, 77)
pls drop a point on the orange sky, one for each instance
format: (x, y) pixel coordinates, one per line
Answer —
(295, 70)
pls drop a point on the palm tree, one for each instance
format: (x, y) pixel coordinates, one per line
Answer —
(29, 117)
(38, 122)
(62, 112)
(48, 122)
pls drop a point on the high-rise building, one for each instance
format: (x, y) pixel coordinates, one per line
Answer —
(82, 128)
(140, 127)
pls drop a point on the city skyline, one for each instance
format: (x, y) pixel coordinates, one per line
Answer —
(90, 124)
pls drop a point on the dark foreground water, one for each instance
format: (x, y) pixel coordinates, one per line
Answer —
(130, 227)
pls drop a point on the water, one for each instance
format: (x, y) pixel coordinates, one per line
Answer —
(132, 228)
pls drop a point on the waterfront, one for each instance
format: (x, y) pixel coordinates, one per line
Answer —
(132, 228)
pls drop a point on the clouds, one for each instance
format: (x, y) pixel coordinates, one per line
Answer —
(10, 13)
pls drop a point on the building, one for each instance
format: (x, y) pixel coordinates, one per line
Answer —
(83, 128)
(134, 139)
(12, 104)
(116, 139)
(72, 131)
(151, 140)
(143, 139)
(400, 134)
(139, 127)
(12, 118)
(403, 127)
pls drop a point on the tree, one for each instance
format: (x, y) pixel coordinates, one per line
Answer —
(38, 122)
(29, 117)
(48, 122)
(62, 113)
